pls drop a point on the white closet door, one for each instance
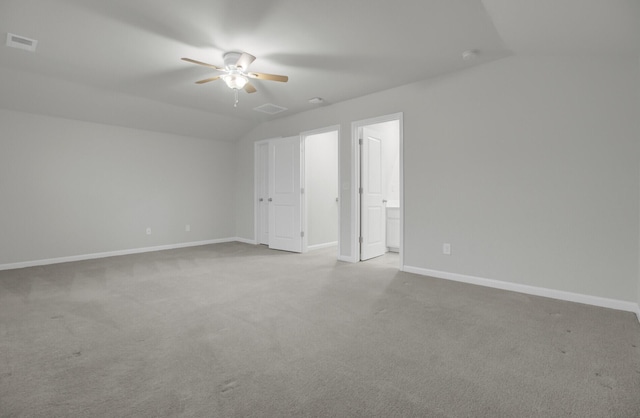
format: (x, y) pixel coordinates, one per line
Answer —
(285, 195)
(263, 193)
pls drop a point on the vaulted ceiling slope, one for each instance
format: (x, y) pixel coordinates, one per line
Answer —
(118, 61)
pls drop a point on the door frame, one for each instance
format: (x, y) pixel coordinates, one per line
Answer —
(303, 143)
(356, 128)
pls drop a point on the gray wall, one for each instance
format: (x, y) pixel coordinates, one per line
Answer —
(528, 166)
(70, 188)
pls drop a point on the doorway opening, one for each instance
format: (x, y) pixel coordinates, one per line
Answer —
(296, 191)
(377, 212)
(321, 203)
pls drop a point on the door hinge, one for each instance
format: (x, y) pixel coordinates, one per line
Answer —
(360, 190)
(301, 234)
(360, 240)
(360, 141)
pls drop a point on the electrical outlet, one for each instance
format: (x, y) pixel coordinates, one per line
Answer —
(446, 249)
(148, 231)
(187, 228)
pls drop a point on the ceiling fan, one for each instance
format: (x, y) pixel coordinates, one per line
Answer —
(236, 74)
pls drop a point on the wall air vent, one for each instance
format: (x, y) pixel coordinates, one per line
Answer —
(270, 109)
(16, 41)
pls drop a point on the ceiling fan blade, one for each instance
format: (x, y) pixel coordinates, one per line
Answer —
(245, 60)
(249, 88)
(206, 80)
(202, 63)
(272, 77)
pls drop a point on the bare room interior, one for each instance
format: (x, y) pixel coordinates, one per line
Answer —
(281, 208)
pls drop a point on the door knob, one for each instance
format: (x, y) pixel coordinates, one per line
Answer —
(270, 199)
(261, 199)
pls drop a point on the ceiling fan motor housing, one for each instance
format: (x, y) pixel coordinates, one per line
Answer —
(230, 60)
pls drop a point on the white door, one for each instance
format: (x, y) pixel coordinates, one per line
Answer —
(263, 193)
(372, 220)
(285, 195)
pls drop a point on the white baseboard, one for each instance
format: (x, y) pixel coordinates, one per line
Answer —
(246, 240)
(347, 259)
(530, 290)
(81, 257)
(319, 246)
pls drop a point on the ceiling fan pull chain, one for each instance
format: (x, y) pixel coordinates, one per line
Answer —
(236, 103)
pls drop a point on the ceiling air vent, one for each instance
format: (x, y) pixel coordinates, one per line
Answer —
(270, 109)
(15, 41)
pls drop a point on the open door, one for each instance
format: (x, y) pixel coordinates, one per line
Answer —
(285, 195)
(371, 198)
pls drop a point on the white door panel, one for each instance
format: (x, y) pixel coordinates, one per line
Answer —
(285, 195)
(375, 234)
(284, 221)
(263, 193)
(373, 210)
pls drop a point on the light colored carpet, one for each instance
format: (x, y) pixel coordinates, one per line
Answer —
(234, 330)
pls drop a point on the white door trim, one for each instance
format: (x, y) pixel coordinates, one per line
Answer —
(356, 127)
(305, 225)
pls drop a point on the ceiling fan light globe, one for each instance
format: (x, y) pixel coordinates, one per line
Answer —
(235, 81)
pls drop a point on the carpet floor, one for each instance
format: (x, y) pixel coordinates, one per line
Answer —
(235, 330)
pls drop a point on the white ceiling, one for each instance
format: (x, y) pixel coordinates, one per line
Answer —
(118, 61)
